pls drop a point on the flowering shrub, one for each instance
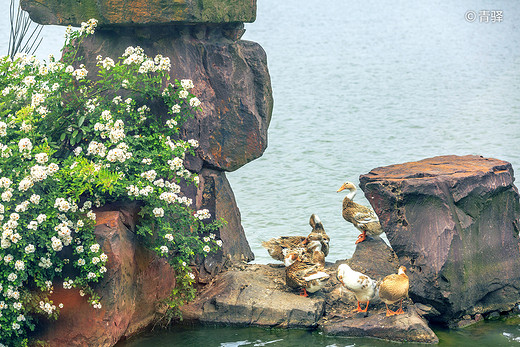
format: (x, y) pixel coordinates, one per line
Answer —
(69, 144)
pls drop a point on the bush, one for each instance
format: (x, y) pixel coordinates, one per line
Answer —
(68, 144)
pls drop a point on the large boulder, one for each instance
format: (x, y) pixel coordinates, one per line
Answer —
(454, 222)
(132, 291)
(230, 76)
(130, 12)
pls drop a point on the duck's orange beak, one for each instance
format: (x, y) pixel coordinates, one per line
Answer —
(340, 189)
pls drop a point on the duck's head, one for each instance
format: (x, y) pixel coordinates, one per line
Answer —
(343, 269)
(350, 187)
(290, 256)
(402, 270)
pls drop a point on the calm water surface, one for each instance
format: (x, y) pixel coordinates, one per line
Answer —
(357, 85)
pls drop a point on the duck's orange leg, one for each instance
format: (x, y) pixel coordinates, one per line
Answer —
(400, 310)
(304, 292)
(389, 312)
(359, 307)
(362, 237)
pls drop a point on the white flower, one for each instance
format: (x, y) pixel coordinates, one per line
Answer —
(183, 94)
(164, 249)
(15, 326)
(91, 215)
(41, 218)
(103, 257)
(41, 158)
(52, 168)
(205, 238)
(168, 237)
(45, 263)
(19, 265)
(80, 223)
(95, 260)
(193, 143)
(94, 248)
(24, 185)
(149, 175)
(192, 276)
(206, 249)
(107, 63)
(69, 69)
(80, 73)
(30, 249)
(194, 102)
(176, 108)
(106, 116)
(3, 129)
(219, 243)
(56, 244)
(12, 277)
(62, 205)
(91, 275)
(77, 151)
(35, 199)
(102, 269)
(187, 84)
(158, 212)
(81, 262)
(25, 145)
(33, 225)
(8, 258)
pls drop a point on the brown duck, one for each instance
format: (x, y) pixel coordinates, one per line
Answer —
(394, 288)
(363, 218)
(317, 240)
(308, 276)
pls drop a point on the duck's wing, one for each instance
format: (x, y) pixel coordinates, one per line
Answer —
(366, 216)
(275, 246)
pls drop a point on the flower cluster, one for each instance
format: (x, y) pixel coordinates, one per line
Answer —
(65, 150)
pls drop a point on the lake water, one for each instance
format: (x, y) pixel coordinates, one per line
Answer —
(357, 85)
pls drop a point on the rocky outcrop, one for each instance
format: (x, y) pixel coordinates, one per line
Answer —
(202, 40)
(454, 222)
(131, 12)
(132, 291)
(258, 295)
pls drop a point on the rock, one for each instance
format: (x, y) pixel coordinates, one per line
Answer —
(132, 290)
(374, 258)
(407, 327)
(252, 294)
(230, 77)
(465, 323)
(253, 297)
(131, 12)
(495, 315)
(215, 194)
(453, 222)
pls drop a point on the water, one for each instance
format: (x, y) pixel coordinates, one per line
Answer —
(357, 85)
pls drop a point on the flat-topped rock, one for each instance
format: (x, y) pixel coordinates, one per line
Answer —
(254, 294)
(135, 12)
(453, 222)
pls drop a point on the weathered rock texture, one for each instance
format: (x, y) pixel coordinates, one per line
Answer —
(258, 295)
(131, 12)
(136, 283)
(453, 221)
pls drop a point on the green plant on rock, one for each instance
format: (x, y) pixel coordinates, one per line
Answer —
(68, 144)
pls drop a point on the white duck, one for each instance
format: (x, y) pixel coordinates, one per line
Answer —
(363, 287)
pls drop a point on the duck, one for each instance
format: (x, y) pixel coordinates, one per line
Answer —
(394, 288)
(303, 274)
(316, 241)
(362, 217)
(276, 246)
(363, 287)
(318, 235)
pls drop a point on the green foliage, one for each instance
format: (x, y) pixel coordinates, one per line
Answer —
(69, 144)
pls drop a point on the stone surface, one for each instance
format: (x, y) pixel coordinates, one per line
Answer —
(215, 194)
(135, 12)
(231, 79)
(132, 290)
(407, 327)
(258, 295)
(254, 295)
(453, 222)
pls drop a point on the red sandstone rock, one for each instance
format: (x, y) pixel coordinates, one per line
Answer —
(131, 292)
(230, 77)
(131, 12)
(453, 221)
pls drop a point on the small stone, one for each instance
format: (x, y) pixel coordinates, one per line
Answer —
(478, 317)
(467, 317)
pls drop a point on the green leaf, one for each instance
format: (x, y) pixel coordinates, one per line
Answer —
(81, 120)
(62, 137)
